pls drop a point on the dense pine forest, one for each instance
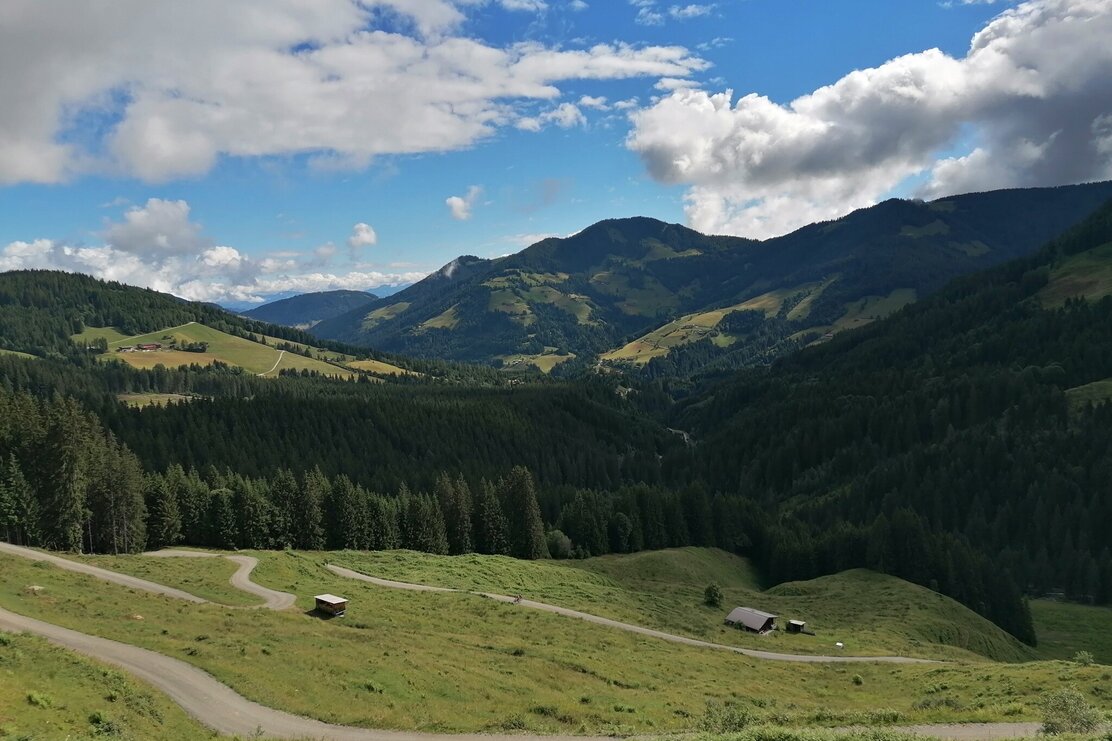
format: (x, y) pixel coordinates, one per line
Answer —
(943, 445)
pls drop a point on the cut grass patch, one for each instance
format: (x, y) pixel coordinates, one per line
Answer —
(446, 319)
(1096, 392)
(146, 400)
(384, 314)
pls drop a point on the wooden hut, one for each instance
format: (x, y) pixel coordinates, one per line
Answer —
(332, 605)
(752, 620)
(797, 626)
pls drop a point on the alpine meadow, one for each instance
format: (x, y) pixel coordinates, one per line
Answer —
(502, 370)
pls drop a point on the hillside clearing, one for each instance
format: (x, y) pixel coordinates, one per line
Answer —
(146, 400)
(395, 662)
(1087, 274)
(1065, 628)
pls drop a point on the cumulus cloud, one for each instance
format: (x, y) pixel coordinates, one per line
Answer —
(649, 14)
(362, 235)
(157, 246)
(1034, 92)
(590, 101)
(460, 206)
(565, 115)
(119, 90)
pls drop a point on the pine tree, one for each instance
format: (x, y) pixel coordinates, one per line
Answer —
(308, 518)
(64, 477)
(163, 516)
(489, 522)
(455, 506)
(523, 514)
(284, 495)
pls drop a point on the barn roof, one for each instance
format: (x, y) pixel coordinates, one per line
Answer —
(750, 618)
(330, 599)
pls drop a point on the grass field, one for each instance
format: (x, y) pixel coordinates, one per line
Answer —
(446, 319)
(454, 662)
(1087, 274)
(18, 354)
(870, 613)
(146, 400)
(694, 327)
(384, 314)
(381, 368)
(1064, 629)
(544, 362)
(47, 692)
(204, 577)
(1091, 393)
(253, 357)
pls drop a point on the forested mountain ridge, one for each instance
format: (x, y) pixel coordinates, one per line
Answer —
(665, 300)
(309, 309)
(958, 418)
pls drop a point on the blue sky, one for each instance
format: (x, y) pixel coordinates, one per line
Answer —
(214, 171)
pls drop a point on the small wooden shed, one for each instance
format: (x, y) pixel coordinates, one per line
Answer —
(332, 605)
(797, 626)
(752, 620)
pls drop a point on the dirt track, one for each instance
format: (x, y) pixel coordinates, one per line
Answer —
(754, 653)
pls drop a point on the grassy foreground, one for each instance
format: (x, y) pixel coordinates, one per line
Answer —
(446, 662)
(204, 577)
(49, 693)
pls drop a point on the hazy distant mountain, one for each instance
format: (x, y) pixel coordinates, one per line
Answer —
(661, 297)
(307, 309)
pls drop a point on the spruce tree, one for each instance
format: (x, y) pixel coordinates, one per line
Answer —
(523, 515)
(489, 522)
(308, 517)
(455, 506)
(163, 516)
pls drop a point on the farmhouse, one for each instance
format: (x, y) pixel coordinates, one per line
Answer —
(150, 346)
(332, 605)
(752, 620)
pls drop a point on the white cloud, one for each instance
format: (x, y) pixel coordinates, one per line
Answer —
(648, 14)
(578, 5)
(362, 235)
(565, 115)
(161, 97)
(684, 12)
(157, 247)
(529, 5)
(1034, 91)
(598, 103)
(460, 206)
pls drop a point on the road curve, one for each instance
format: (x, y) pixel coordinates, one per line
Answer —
(133, 582)
(241, 579)
(754, 653)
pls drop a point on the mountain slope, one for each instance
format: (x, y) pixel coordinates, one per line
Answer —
(309, 309)
(619, 280)
(953, 417)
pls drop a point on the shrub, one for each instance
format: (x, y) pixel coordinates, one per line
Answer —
(728, 718)
(559, 545)
(39, 700)
(858, 680)
(1066, 711)
(713, 595)
(1084, 658)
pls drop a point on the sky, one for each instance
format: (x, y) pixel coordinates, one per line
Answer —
(235, 151)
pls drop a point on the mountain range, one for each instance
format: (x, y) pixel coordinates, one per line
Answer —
(308, 309)
(661, 298)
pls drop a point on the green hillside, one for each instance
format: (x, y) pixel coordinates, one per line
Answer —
(871, 613)
(654, 296)
(309, 309)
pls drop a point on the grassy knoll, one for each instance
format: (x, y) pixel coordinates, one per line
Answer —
(253, 357)
(871, 613)
(18, 354)
(1087, 274)
(1065, 628)
(204, 577)
(48, 692)
(385, 314)
(381, 368)
(108, 334)
(455, 662)
(446, 319)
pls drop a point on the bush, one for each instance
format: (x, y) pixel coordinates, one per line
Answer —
(727, 718)
(559, 545)
(858, 680)
(1066, 711)
(1084, 658)
(713, 595)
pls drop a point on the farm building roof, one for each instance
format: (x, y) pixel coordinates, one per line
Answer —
(750, 618)
(330, 599)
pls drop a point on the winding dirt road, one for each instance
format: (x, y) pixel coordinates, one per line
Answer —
(241, 579)
(754, 653)
(222, 709)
